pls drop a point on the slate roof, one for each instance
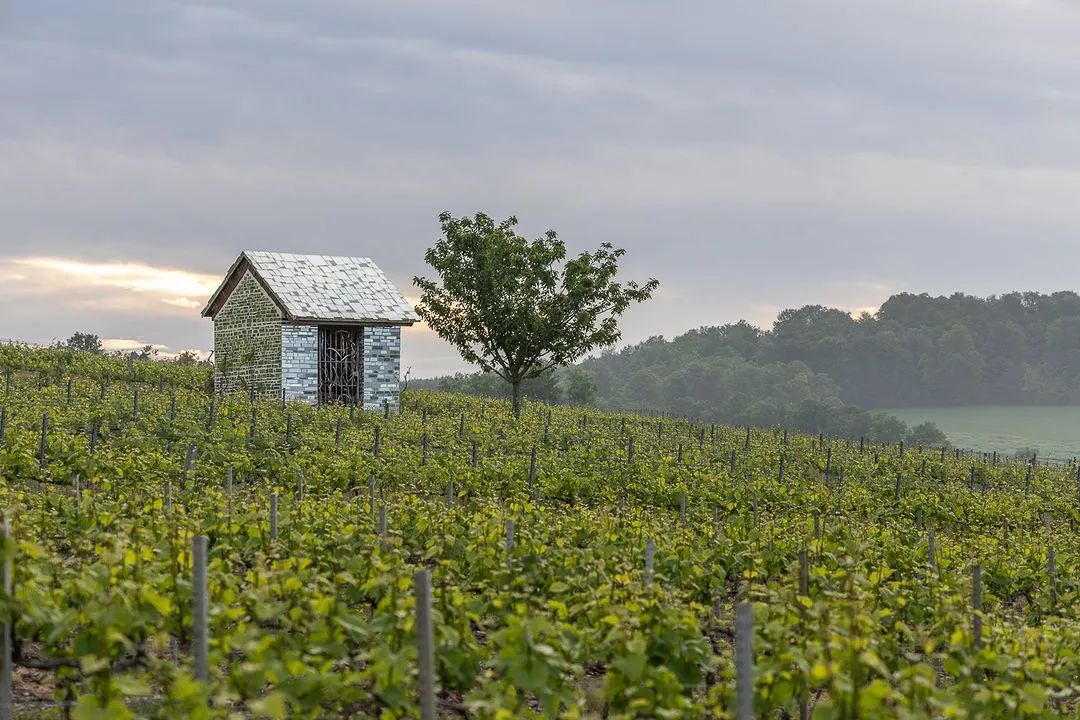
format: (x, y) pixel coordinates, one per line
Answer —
(323, 288)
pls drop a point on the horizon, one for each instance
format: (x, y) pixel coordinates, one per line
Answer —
(752, 158)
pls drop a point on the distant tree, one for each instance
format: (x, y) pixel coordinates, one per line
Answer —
(519, 308)
(580, 388)
(187, 357)
(146, 353)
(926, 434)
(85, 342)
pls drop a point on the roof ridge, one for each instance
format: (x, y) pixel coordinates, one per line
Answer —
(327, 288)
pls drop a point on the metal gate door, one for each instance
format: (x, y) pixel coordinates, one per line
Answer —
(341, 364)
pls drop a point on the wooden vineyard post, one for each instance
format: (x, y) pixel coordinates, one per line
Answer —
(650, 553)
(273, 516)
(288, 428)
(532, 469)
(682, 508)
(804, 591)
(189, 463)
(6, 641)
(371, 495)
(475, 458)
(377, 447)
(744, 661)
(780, 474)
(199, 610)
(425, 644)
(228, 491)
(931, 550)
(509, 544)
(384, 542)
(630, 449)
(1051, 571)
(976, 605)
(44, 445)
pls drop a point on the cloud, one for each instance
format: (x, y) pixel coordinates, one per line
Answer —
(182, 302)
(118, 284)
(122, 344)
(751, 156)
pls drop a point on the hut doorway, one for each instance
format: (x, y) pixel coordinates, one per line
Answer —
(341, 364)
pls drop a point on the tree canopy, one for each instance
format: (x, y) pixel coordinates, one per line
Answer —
(519, 308)
(85, 342)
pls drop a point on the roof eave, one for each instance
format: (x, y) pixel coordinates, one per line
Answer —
(207, 311)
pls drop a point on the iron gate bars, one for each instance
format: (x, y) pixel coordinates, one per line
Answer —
(341, 364)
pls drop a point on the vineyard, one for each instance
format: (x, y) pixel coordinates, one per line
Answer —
(578, 564)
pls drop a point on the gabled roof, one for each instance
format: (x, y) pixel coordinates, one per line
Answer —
(320, 288)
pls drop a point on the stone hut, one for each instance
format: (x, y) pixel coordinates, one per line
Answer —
(317, 328)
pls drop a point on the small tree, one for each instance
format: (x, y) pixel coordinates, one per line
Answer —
(85, 342)
(519, 308)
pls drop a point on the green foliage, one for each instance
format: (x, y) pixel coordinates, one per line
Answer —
(519, 308)
(1017, 348)
(580, 388)
(563, 624)
(85, 342)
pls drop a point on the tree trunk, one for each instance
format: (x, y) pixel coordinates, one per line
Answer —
(515, 398)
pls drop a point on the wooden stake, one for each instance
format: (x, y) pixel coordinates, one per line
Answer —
(425, 644)
(744, 661)
(199, 610)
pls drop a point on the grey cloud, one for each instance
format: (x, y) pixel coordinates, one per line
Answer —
(752, 155)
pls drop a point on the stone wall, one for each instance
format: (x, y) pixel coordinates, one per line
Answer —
(382, 366)
(300, 362)
(247, 341)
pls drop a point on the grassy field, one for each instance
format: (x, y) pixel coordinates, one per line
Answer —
(1052, 430)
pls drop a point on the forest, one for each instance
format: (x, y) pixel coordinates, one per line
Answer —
(821, 369)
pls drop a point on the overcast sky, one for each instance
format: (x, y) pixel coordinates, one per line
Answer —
(751, 155)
